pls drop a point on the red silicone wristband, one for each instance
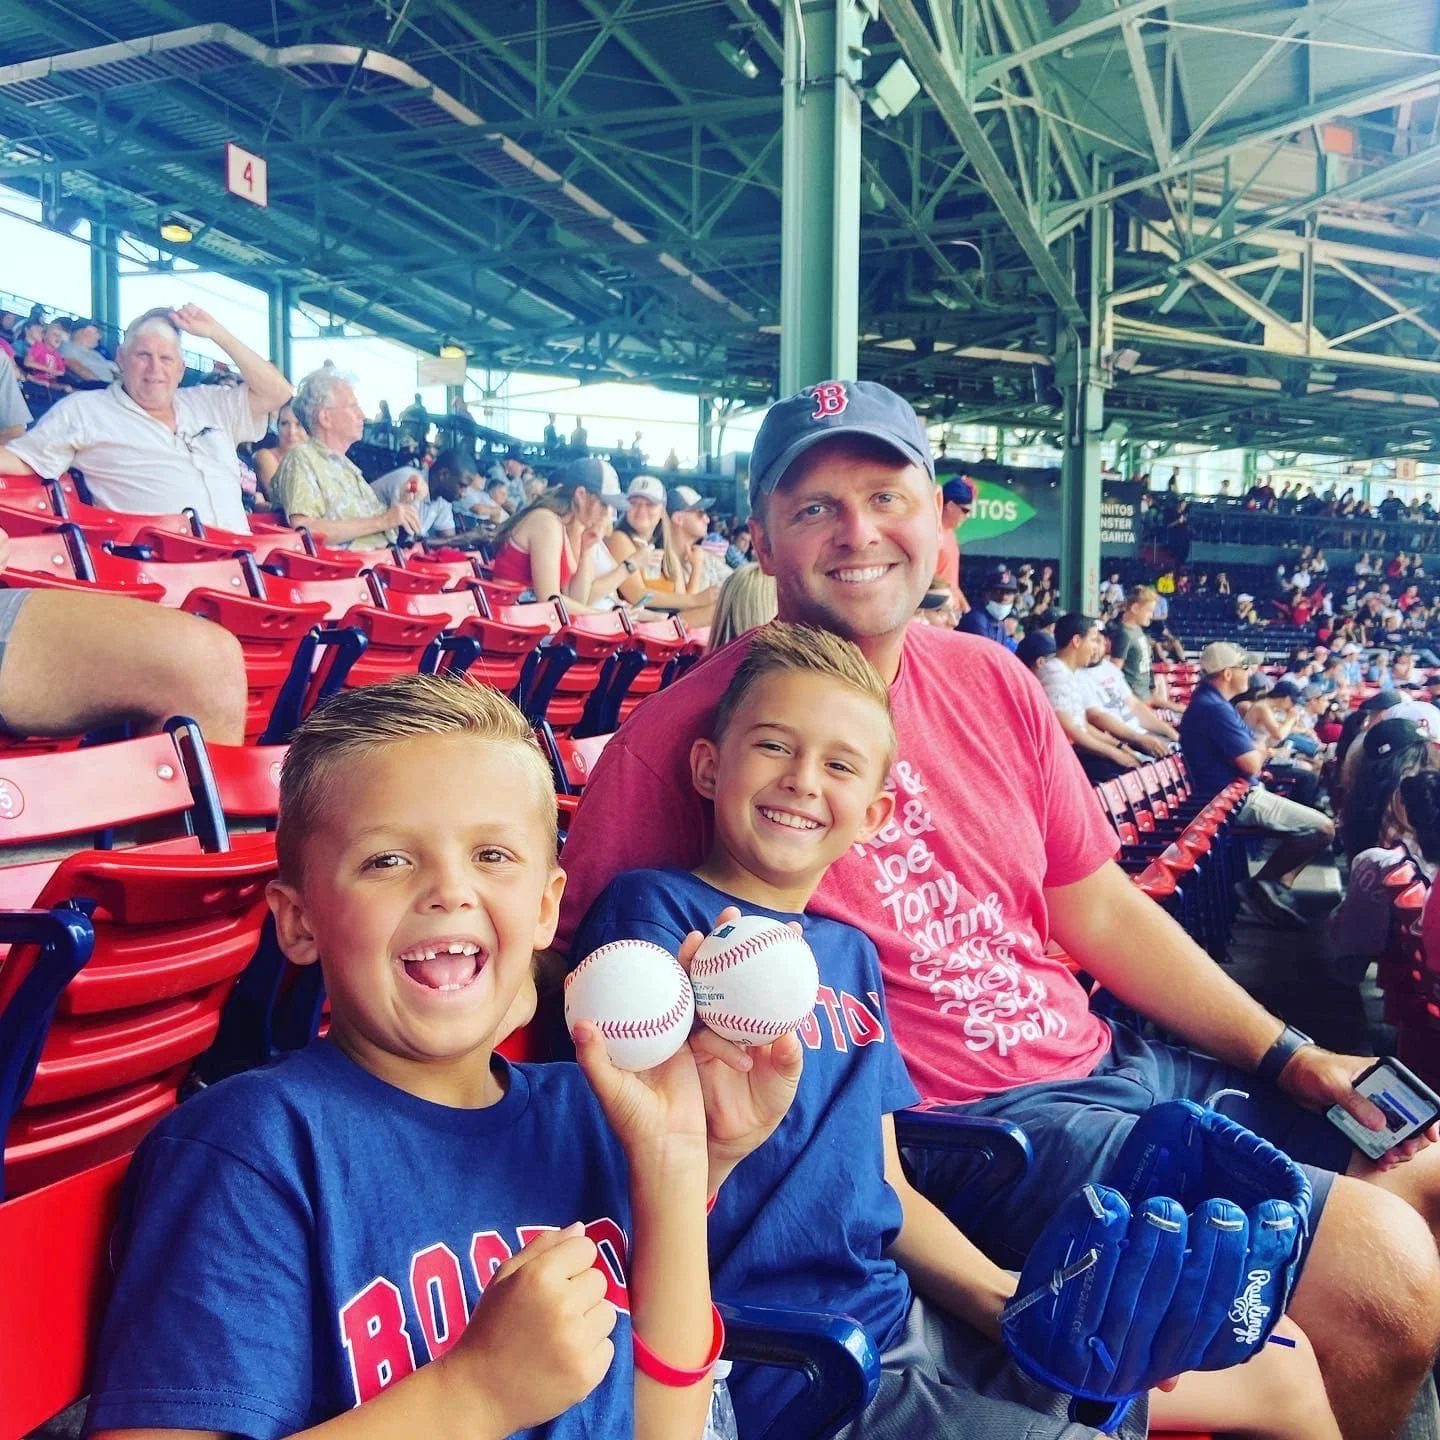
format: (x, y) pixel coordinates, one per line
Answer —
(647, 1362)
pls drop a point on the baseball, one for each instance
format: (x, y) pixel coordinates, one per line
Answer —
(754, 980)
(637, 996)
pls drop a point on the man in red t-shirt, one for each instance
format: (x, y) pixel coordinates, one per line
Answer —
(996, 849)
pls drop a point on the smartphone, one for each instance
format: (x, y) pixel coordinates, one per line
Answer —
(1407, 1102)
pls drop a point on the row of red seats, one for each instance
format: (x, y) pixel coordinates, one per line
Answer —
(1180, 848)
(311, 620)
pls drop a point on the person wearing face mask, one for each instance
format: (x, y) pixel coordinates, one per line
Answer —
(989, 619)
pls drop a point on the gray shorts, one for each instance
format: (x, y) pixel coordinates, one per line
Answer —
(944, 1381)
(1268, 811)
(11, 602)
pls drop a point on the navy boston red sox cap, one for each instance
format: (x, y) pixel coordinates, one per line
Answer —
(836, 407)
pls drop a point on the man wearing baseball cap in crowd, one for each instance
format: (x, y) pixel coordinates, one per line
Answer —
(1219, 746)
(997, 848)
(957, 496)
(690, 524)
(988, 620)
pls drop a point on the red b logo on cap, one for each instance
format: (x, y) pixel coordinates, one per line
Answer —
(830, 399)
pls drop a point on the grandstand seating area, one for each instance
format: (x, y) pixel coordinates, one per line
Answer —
(139, 968)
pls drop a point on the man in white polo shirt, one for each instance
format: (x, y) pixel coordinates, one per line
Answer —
(14, 412)
(144, 444)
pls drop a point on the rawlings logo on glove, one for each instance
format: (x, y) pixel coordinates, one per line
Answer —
(1186, 1261)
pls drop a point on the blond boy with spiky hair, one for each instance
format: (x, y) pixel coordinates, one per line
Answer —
(299, 1241)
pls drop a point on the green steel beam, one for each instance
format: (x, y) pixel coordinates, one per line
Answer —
(105, 277)
(929, 66)
(820, 199)
(999, 65)
(598, 42)
(1355, 102)
(278, 315)
(1348, 193)
(1070, 160)
(1221, 107)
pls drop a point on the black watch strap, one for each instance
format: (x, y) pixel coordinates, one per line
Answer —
(1277, 1057)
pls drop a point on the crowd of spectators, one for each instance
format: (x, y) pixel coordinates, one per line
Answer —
(847, 537)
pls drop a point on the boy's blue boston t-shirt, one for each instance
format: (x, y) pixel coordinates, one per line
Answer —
(805, 1219)
(295, 1238)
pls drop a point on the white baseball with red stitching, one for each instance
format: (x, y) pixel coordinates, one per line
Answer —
(638, 997)
(754, 980)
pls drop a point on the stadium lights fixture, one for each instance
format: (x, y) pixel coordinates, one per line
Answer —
(893, 91)
(176, 232)
(738, 57)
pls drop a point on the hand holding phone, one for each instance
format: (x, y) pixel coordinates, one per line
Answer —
(1408, 1104)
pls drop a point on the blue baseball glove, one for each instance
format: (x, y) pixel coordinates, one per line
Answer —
(1185, 1261)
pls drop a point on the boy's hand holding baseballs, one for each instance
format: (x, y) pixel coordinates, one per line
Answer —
(747, 1089)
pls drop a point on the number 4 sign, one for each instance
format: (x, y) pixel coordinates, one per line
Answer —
(245, 175)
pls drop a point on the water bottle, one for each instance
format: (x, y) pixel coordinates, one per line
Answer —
(721, 1424)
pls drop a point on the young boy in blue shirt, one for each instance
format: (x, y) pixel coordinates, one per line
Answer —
(821, 1216)
(299, 1241)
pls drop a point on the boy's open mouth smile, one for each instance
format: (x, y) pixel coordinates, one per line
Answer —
(446, 963)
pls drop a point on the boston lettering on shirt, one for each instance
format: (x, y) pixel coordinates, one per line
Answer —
(296, 1239)
(826, 1158)
(991, 809)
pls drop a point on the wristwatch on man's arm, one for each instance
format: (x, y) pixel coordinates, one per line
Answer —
(1279, 1055)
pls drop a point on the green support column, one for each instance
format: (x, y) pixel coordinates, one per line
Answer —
(1080, 373)
(820, 198)
(1249, 469)
(1080, 487)
(704, 429)
(105, 280)
(279, 316)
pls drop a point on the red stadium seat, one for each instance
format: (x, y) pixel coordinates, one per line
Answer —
(169, 546)
(28, 495)
(573, 761)
(56, 1244)
(233, 575)
(338, 595)
(123, 526)
(455, 573)
(332, 565)
(244, 778)
(173, 926)
(455, 607)
(506, 643)
(51, 554)
(666, 649)
(42, 522)
(358, 559)
(578, 664)
(271, 636)
(82, 795)
(412, 580)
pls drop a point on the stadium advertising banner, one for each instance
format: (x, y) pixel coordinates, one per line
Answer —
(1017, 513)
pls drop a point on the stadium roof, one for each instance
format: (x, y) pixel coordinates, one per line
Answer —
(592, 187)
